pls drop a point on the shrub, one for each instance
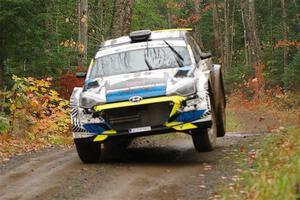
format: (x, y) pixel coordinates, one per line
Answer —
(31, 101)
(4, 124)
(291, 76)
(236, 77)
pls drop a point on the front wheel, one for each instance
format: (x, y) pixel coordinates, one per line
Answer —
(204, 140)
(88, 151)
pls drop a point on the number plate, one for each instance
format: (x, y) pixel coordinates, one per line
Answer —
(140, 129)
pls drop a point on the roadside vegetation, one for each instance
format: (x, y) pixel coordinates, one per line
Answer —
(269, 167)
(33, 116)
(257, 43)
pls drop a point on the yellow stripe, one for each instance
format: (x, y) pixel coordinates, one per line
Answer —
(186, 126)
(100, 138)
(176, 106)
(174, 29)
(104, 135)
(172, 124)
(175, 99)
(92, 63)
(110, 132)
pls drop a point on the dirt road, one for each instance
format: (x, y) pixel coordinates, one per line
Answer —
(156, 168)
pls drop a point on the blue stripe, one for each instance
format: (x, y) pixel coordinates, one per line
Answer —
(145, 93)
(189, 116)
(96, 128)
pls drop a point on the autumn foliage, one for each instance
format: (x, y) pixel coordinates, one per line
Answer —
(67, 82)
(33, 116)
(32, 106)
(287, 43)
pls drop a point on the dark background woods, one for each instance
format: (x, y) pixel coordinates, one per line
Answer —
(256, 41)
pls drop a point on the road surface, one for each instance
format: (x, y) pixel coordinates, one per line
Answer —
(159, 167)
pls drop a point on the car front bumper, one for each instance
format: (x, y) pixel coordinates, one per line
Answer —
(179, 118)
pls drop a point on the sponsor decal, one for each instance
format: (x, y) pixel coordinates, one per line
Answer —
(135, 99)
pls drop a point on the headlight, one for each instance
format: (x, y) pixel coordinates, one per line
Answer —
(182, 87)
(89, 100)
(186, 90)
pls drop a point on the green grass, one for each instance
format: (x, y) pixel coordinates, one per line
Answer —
(232, 122)
(271, 170)
(4, 123)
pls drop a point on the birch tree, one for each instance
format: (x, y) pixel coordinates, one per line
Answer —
(252, 41)
(226, 36)
(83, 30)
(284, 33)
(217, 33)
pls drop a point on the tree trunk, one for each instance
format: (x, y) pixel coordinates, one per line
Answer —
(122, 14)
(102, 17)
(271, 28)
(248, 13)
(252, 43)
(246, 46)
(226, 36)
(2, 57)
(197, 25)
(1, 73)
(254, 34)
(128, 17)
(232, 34)
(83, 31)
(217, 33)
(169, 18)
(297, 15)
(284, 32)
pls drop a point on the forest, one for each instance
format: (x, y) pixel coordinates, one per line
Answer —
(257, 42)
(45, 42)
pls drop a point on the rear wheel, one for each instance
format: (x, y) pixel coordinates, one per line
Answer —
(221, 122)
(88, 151)
(218, 96)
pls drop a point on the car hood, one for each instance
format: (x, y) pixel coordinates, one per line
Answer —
(142, 84)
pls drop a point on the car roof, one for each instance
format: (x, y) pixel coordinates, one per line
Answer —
(155, 35)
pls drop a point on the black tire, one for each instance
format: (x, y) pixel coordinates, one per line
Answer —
(218, 95)
(205, 139)
(221, 119)
(117, 145)
(88, 151)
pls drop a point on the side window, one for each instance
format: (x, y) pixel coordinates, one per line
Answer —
(195, 48)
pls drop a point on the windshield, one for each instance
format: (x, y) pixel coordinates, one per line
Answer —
(139, 60)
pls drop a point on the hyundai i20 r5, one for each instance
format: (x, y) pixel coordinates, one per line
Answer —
(150, 82)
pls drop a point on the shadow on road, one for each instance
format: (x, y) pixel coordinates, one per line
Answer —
(162, 156)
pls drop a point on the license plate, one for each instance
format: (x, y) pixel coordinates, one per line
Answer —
(140, 129)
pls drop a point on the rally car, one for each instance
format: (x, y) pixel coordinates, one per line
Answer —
(150, 82)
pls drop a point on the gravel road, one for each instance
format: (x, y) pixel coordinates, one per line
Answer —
(159, 167)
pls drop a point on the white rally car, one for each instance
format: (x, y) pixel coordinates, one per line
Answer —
(150, 82)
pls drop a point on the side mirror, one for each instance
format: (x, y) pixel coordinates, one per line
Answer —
(205, 55)
(80, 74)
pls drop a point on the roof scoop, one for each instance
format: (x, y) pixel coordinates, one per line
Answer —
(140, 36)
